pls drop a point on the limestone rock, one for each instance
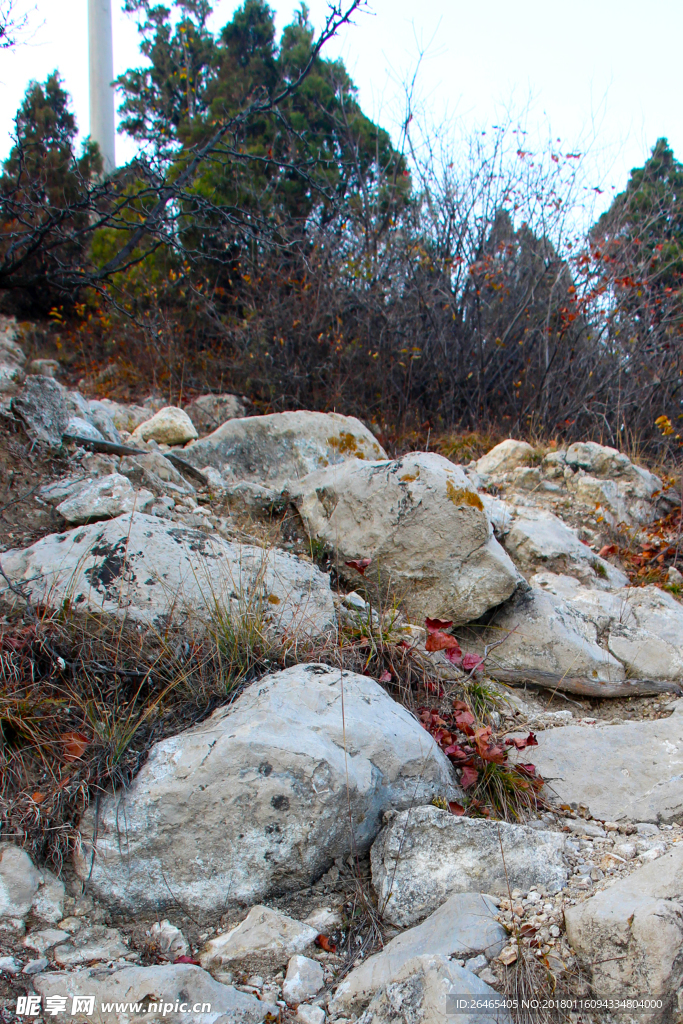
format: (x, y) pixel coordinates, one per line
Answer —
(505, 457)
(46, 409)
(621, 772)
(105, 498)
(48, 902)
(169, 940)
(277, 450)
(423, 527)
(538, 540)
(462, 926)
(631, 935)
(209, 412)
(80, 427)
(304, 979)
(19, 882)
(306, 1014)
(45, 367)
(254, 800)
(597, 459)
(159, 986)
(156, 473)
(420, 992)
(425, 855)
(168, 426)
(263, 931)
(43, 939)
(561, 634)
(124, 417)
(149, 568)
(88, 944)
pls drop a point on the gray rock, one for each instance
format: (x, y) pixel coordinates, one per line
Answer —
(278, 449)
(123, 417)
(580, 827)
(254, 800)
(155, 473)
(43, 939)
(303, 980)
(104, 498)
(597, 459)
(630, 936)
(169, 425)
(632, 771)
(561, 634)
(425, 855)
(36, 966)
(159, 986)
(391, 513)
(463, 925)
(169, 940)
(306, 1014)
(538, 540)
(46, 408)
(505, 457)
(19, 882)
(10, 965)
(209, 412)
(263, 931)
(45, 367)
(88, 944)
(79, 427)
(420, 992)
(149, 568)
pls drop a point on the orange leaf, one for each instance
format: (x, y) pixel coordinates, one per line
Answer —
(75, 745)
(325, 942)
(441, 642)
(37, 797)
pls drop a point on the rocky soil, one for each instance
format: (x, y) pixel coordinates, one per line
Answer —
(456, 771)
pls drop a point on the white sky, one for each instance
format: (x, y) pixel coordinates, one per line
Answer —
(603, 67)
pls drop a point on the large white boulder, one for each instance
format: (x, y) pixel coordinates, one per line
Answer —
(173, 993)
(277, 450)
(168, 426)
(506, 456)
(424, 855)
(262, 796)
(604, 643)
(627, 772)
(149, 568)
(104, 498)
(462, 927)
(423, 527)
(630, 936)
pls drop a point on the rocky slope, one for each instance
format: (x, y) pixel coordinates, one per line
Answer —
(302, 853)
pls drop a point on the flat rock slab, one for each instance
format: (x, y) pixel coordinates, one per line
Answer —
(425, 855)
(279, 449)
(263, 931)
(259, 798)
(151, 569)
(161, 986)
(627, 772)
(464, 926)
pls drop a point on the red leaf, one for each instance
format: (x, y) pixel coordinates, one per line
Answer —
(608, 549)
(464, 721)
(456, 752)
(528, 741)
(469, 776)
(186, 960)
(385, 677)
(528, 769)
(527, 930)
(360, 564)
(472, 661)
(325, 943)
(75, 745)
(455, 808)
(454, 656)
(434, 625)
(460, 705)
(442, 642)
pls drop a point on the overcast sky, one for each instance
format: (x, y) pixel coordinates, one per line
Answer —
(591, 68)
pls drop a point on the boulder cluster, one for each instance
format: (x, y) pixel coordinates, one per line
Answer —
(224, 874)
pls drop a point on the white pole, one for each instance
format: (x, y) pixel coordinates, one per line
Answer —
(102, 128)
